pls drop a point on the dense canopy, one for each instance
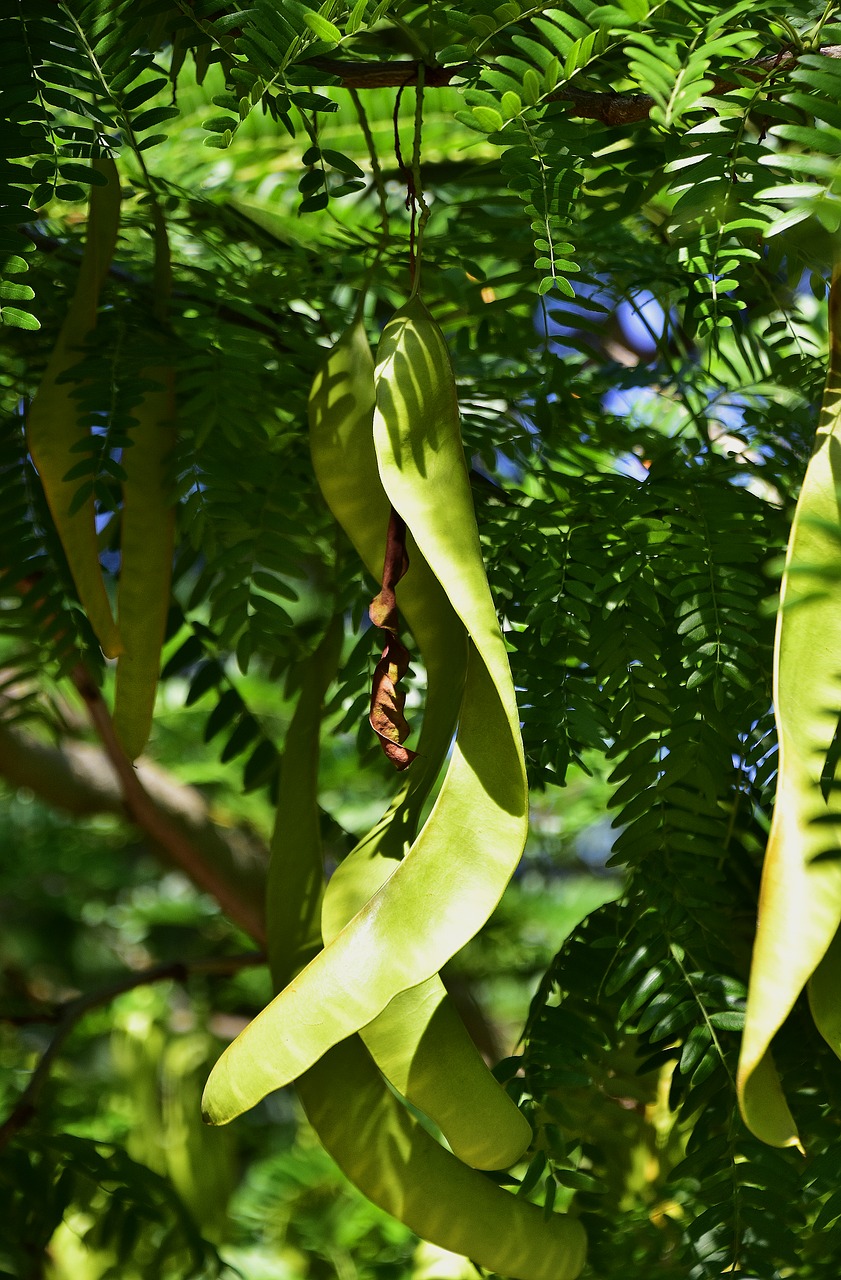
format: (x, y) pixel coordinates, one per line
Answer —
(259, 266)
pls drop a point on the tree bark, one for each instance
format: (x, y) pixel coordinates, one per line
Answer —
(80, 779)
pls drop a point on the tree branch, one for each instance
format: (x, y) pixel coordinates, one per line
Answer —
(79, 778)
(74, 1010)
(611, 108)
(142, 809)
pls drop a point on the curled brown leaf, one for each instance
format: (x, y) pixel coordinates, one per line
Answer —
(387, 701)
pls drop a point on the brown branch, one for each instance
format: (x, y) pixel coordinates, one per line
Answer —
(148, 817)
(78, 778)
(393, 74)
(611, 108)
(74, 1010)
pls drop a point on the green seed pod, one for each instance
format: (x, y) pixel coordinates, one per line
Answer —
(371, 1135)
(295, 884)
(53, 429)
(146, 540)
(419, 1029)
(146, 545)
(385, 1152)
(433, 903)
(800, 898)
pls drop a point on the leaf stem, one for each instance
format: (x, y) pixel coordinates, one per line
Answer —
(417, 183)
(379, 187)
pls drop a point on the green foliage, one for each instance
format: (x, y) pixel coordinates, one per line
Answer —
(138, 1215)
(634, 213)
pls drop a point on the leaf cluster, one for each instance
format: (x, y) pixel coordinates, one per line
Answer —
(633, 309)
(139, 1217)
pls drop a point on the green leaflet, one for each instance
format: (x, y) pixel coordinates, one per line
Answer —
(368, 1131)
(52, 423)
(455, 872)
(800, 897)
(419, 1031)
(147, 535)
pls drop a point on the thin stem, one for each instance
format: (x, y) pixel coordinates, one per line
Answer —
(417, 183)
(814, 39)
(376, 167)
(74, 1010)
(379, 187)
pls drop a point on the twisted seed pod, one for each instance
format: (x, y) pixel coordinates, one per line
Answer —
(385, 1152)
(434, 901)
(147, 537)
(420, 1029)
(53, 429)
(367, 1130)
(800, 897)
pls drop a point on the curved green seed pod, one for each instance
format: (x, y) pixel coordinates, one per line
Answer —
(146, 547)
(367, 1130)
(147, 540)
(295, 884)
(419, 1030)
(419, 1041)
(800, 897)
(823, 995)
(52, 423)
(457, 869)
(396, 1163)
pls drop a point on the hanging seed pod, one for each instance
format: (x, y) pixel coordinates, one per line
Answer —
(419, 1029)
(54, 431)
(371, 1135)
(800, 897)
(433, 903)
(147, 537)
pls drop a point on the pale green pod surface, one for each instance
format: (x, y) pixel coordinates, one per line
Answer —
(146, 550)
(386, 1153)
(295, 883)
(825, 995)
(800, 897)
(457, 869)
(147, 538)
(417, 437)
(377, 1143)
(419, 1041)
(52, 423)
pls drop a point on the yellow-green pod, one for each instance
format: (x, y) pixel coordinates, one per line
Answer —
(420, 1030)
(379, 1145)
(146, 550)
(800, 896)
(53, 429)
(456, 870)
(147, 540)
(398, 1165)
(295, 885)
